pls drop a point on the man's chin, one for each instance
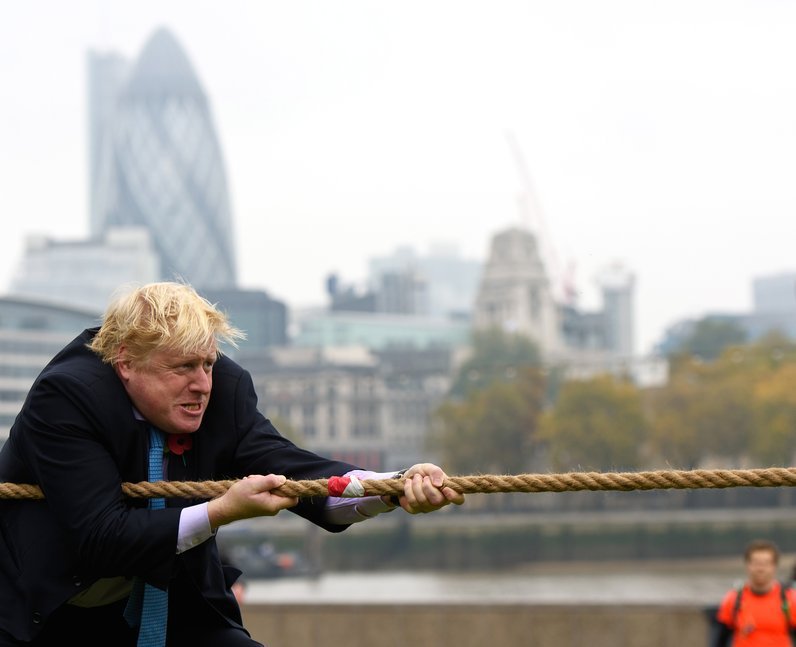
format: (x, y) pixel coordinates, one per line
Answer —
(186, 427)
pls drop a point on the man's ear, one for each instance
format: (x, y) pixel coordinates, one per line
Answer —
(122, 363)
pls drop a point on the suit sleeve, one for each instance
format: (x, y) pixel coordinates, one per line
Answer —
(261, 449)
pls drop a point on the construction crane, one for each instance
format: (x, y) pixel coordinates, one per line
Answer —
(532, 217)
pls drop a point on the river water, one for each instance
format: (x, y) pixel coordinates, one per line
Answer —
(698, 582)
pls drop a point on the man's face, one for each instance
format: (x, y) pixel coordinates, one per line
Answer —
(170, 390)
(761, 569)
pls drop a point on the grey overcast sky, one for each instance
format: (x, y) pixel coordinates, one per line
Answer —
(660, 135)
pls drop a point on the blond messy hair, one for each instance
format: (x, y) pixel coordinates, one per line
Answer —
(166, 316)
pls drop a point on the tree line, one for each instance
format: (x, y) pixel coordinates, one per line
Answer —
(727, 403)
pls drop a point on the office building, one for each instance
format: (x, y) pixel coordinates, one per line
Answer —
(773, 312)
(515, 293)
(377, 331)
(31, 333)
(371, 408)
(263, 319)
(618, 303)
(85, 273)
(156, 162)
(774, 293)
(440, 283)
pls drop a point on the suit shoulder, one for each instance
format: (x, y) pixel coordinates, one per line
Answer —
(227, 367)
(78, 362)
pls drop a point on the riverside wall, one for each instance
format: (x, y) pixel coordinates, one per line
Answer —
(461, 543)
(476, 625)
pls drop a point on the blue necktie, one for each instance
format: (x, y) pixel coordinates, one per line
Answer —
(149, 603)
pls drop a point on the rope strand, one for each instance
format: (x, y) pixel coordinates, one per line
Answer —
(475, 484)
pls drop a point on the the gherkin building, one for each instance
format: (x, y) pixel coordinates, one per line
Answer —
(156, 162)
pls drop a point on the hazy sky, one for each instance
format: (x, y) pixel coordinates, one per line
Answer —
(661, 135)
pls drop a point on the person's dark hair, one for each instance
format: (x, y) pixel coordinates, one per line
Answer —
(758, 545)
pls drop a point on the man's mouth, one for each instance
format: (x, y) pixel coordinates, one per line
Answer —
(194, 407)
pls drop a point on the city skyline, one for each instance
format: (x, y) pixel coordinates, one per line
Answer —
(661, 138)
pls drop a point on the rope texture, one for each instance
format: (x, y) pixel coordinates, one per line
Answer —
(475, 484)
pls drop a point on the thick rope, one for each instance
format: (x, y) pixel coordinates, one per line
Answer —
(476, 484)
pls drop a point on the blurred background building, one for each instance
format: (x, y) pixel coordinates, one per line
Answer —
(773, 312)
(357, 378)
(31, 333)
(155, 161)
(85, 272)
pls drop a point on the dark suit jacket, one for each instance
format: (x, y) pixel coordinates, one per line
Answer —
(76, 437)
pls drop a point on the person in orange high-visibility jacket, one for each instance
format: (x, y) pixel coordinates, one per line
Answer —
(761, 612)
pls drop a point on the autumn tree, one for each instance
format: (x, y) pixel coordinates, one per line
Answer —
(495, 356)
(595, 424)
(493, 429)
(774, 441)
(710, 336)
(724, 408)
(489, 421)
(693, 418)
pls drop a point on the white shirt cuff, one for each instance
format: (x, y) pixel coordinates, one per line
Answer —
(194, 527)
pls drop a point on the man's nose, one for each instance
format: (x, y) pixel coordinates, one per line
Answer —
(201, 380)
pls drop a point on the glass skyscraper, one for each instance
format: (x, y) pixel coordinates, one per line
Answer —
(156, 162)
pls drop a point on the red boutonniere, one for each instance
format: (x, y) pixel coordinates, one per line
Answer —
(179, 443)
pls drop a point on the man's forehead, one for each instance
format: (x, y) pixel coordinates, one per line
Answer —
(177, 354)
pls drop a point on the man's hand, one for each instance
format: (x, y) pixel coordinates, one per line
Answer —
(249, 497)
(423, 490)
